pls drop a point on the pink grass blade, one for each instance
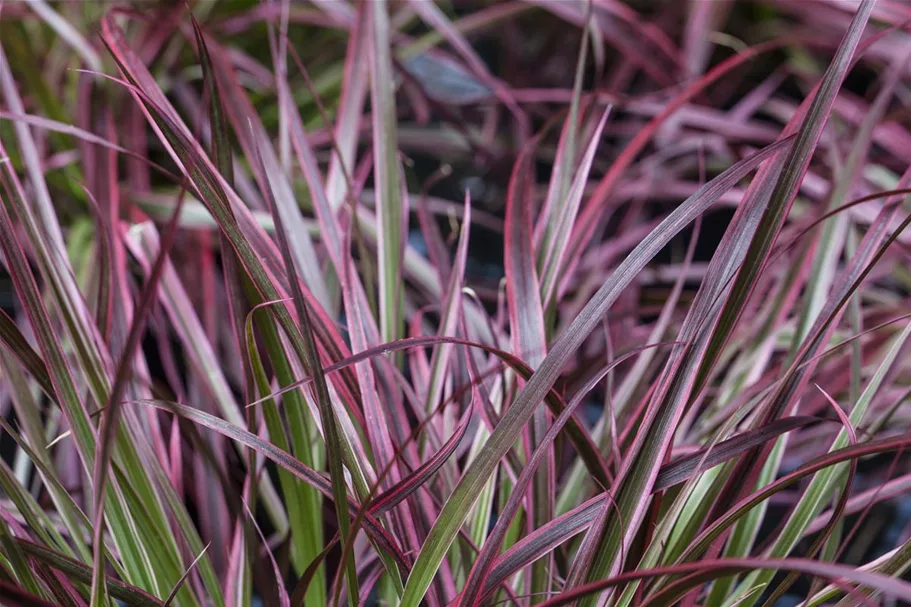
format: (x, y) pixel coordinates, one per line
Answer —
(526, 313)
(351, 106)
(330, 230)
(686, 467)
(555, 263)
(379, 419)
(451, 313)
(529, 341)
(353, 292)
(411, 483)
(40, 122)
(543, 540)
(43, 206)
(703, 19)
(861, 501)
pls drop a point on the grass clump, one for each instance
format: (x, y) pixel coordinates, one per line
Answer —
(414, 303)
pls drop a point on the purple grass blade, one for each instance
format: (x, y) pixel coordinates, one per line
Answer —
(526, 319)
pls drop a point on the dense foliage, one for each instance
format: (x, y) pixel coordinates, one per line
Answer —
(402, 302)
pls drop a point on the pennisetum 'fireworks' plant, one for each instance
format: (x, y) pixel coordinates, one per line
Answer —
(401, 302)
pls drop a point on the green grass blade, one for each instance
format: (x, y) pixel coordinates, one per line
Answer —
(391, 208)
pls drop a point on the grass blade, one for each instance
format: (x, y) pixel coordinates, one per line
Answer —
(391, 210)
